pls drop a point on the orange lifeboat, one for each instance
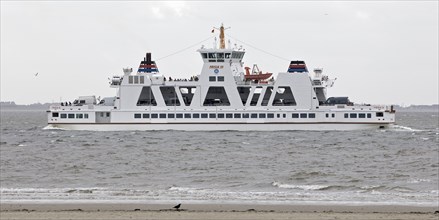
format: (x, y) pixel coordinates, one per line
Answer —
(256, 74)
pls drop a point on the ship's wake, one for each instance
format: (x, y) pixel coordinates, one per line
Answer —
(402, 128)
(51, 127)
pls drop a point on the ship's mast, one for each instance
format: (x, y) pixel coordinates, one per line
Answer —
(221, 36)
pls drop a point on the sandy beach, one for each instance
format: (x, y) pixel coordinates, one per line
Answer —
(94, 210)
(206, 215)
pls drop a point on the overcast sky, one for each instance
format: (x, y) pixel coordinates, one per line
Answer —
(380, 52)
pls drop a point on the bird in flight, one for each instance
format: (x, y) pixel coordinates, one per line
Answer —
(36, 74)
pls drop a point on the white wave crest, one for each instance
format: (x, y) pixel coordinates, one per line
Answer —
(402, 128)
(304, 187)
(418, 180)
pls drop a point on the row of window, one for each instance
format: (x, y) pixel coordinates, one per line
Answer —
(219, 57)
(70, 115)
(217, 96)
(303, 115)
(136, 80)
(216, 78)
(222, 115)
(217, 115)
(359, 115)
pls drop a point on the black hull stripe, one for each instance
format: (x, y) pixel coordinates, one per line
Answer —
(221, 123)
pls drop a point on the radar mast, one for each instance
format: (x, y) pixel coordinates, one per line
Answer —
(221, 36)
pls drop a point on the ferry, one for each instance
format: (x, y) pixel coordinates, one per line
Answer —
(226, 95)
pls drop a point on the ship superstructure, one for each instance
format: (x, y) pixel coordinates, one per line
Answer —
(226, 95)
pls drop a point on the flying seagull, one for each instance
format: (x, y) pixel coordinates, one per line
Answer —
(177, 207)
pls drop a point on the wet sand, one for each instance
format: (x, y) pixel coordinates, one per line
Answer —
(208, 215)
(95, 210)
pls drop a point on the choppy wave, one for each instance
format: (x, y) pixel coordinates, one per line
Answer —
(354, 166)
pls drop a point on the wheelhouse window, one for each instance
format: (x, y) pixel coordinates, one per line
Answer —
(204, 55)
(220, 78)
(220, 57)
(212, 57)
(237, 55)
(212, 78)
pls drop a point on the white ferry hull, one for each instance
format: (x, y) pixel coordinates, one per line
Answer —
(221, 126)
(224, 96)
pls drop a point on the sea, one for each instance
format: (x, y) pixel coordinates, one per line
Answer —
(396, 166)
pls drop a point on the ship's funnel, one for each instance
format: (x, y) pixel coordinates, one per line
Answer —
(147, 65)
(297, 66)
